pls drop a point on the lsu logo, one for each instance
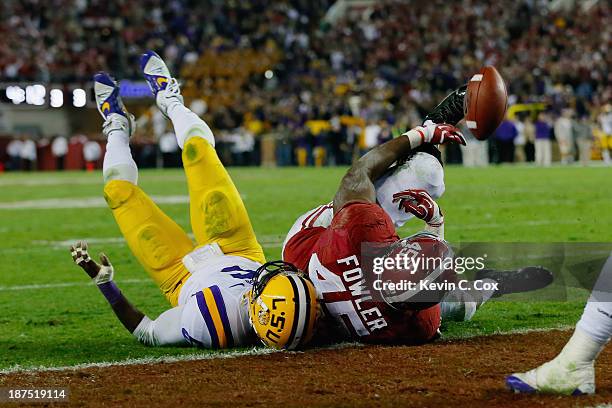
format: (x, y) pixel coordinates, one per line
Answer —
(161, 81)
(277, 322)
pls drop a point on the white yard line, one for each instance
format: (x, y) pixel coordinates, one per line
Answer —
(270, 240)
(65, 285)
(496, 225)
(31, 182)
(277, 240)
(222, 355)
(98, 201)
(76, 179)
(266, 241)
(81, 202)
(85, 202)
(67, 242)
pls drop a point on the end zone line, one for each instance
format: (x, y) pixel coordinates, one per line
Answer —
(468, 336)
(144, 360)
(255, 351)
(195, 356)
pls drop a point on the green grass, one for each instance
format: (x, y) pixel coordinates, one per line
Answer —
(72, 324)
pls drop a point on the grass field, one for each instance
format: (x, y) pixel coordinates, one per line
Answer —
(52, 316)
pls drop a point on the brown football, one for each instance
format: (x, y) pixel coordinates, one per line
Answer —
(486, 101)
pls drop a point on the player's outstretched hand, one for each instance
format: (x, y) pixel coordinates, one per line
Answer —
(435, 134)
(100, 273)
(419, 203)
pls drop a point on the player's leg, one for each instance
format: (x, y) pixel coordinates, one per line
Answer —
(573, 371)
(156, 241)
(320, 216)
(606, 145)
(461, 305)
(217, 212)
(450, 110)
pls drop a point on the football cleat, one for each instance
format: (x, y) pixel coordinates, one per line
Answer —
(525, 279)
(108, 100)
(282, 306)
(166, 89)
(110, 105)
(155, 71)
(451, 110)
(555, 377)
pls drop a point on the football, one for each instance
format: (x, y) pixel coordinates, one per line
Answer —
(486, 101)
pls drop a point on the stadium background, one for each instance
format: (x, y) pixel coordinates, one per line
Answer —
(303, 82)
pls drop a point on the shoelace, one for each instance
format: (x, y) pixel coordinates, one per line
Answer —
(174, 88)
(113, 123)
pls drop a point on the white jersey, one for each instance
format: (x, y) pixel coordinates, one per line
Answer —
(215, 309)
(422, 171)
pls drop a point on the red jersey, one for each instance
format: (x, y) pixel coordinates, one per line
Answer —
(332, 258)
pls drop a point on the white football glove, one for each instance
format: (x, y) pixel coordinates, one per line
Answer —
(99, 273)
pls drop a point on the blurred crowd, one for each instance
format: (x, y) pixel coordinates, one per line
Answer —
(568, 138)
(326, 90)
(57, 153)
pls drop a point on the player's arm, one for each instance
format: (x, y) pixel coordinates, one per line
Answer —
(165, 330)
(358, 182)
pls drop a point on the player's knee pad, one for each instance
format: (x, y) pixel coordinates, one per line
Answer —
(156, 247)
(118, 192)
(195, 148)
(217, 210)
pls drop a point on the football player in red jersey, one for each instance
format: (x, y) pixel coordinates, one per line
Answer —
(332, 256)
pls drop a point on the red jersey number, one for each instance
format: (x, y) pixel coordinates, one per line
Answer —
(340, 301)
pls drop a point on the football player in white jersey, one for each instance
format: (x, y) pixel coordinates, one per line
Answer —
(420, 180)
(222, 291)
(408, 190)
(422, 171)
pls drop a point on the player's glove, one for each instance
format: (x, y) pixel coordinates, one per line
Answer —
(423, 206)
(100, 273)
(435, 134)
